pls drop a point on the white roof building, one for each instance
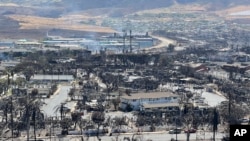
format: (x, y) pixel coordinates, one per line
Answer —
(39, 77)
(140, 101)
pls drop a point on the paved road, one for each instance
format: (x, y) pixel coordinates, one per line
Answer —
(159, 136)
(213, 99)
(162, 136)
(55, 100)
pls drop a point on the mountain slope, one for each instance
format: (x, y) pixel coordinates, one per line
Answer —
(138, 4)
(75, 5)
(148, 4)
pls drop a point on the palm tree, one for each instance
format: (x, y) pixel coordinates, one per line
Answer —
(36, 115)
(8, 107)
(62, 109)
(215, 122)
(31, 111)
(5, 105)
(27, 118)
(31, 114)
(11, 115)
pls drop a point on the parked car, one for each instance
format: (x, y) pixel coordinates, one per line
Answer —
(175, 131)
(243, 120)
(118, 131)
(192, 130)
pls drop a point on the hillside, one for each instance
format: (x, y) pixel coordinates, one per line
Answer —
(133, 4)
(55, 8)
(33, 18)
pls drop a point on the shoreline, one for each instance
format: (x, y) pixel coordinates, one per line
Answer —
(164, 42)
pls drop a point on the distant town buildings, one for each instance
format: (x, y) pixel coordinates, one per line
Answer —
(26, 44)
(115, 44)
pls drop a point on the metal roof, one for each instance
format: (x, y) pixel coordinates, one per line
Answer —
(160, 105)
(53, 77)
(150, 95)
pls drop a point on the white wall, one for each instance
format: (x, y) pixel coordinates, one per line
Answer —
(137, 103)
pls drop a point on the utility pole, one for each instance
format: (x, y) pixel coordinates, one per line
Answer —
(176, 129)
(130, 41)
(11, 117)
(229, 108)
(11, 103)
(50, 131)
(124, 41)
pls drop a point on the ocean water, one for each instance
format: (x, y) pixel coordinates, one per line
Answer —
(242, 13)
